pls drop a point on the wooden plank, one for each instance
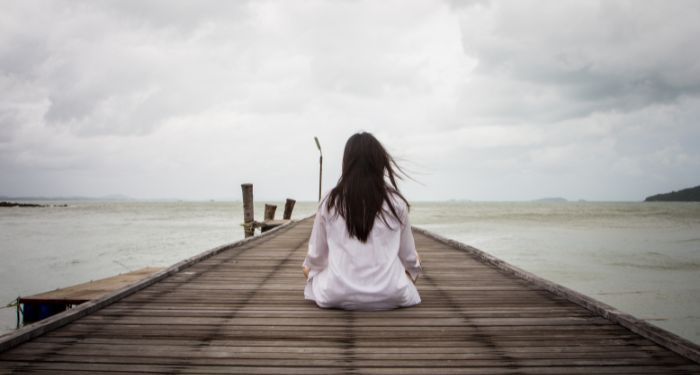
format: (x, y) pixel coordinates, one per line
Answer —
(92, 290)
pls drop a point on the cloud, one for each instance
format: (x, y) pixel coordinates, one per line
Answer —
(584, 56)
(125, 67)
(170, 98)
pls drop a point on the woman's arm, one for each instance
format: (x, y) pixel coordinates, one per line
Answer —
(407, 251)
(317, 256)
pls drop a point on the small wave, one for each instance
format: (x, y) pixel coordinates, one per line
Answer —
(627, 292)
(690, 240)
(672, 266)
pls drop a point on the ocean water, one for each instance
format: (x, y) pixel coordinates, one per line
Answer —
(642, 258)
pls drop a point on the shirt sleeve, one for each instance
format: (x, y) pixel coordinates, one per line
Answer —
(317, 256)
(407, 250)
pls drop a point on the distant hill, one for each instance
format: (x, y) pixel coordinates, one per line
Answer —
(685, 195)
(551, 200)
(111, 197)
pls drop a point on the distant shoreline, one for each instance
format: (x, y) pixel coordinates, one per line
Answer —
(17, 204)
(685, 195)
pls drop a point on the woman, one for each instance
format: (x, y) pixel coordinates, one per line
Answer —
(362, 255)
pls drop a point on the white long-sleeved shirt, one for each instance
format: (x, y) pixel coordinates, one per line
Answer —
(348, 274)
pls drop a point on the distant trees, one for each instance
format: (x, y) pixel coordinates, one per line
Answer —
(685, 195)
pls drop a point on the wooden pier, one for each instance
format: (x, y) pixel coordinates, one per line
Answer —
(88, 291)
(39, 306)
(239, 309)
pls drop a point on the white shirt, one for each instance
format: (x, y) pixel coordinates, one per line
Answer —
(348, 274)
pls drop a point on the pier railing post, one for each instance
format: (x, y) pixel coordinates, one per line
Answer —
(288, 208)
(248, 221)
(270, 211)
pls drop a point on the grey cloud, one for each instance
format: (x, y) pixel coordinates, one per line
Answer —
(184, 16)
(126, 68)
(460, 4)
(121, 68)
(597, 56)
(10, 120)
(22, 55)
(362, 76)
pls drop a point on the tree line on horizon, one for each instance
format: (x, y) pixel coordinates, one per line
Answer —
(686, 195)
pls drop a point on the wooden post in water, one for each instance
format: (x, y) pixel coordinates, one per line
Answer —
(270, 211)
(288, 207)
(248, 218)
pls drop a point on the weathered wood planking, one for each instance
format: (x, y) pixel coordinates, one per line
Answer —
(92, 290)
(241, 311)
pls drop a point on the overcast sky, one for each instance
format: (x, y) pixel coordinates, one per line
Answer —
(479, 100)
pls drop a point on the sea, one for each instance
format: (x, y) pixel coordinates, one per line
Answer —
(642, 258)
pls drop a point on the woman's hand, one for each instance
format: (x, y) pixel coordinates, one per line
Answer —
(410, 278)
(306, 272)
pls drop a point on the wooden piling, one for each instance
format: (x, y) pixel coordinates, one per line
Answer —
(270, 212)
(248, 218)
(288, 208)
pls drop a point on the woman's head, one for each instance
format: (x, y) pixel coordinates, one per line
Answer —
(367, 181)
(365, 157)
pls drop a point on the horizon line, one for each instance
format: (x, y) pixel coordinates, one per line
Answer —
(124, 198)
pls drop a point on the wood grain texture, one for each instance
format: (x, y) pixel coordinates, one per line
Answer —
(92, 290)
(241, 310)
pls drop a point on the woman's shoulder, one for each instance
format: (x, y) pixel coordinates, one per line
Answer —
(399, 203)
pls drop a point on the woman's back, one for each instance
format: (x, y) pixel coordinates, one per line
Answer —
(372, 275)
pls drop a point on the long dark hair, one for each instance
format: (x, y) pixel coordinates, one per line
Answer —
(368, 180)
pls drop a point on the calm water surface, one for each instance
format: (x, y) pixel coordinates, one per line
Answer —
(643, 258)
